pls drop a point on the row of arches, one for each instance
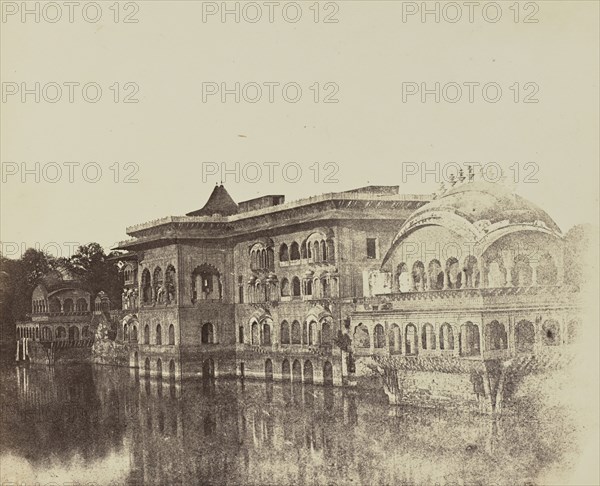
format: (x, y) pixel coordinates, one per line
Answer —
(130, 334)
(472, 273)
(60, 333)
(469, 339)
(311, 333)
(312, 249)
(55, 305)
(313, 287)
(262, 258)
(158, 288)
(298, 372)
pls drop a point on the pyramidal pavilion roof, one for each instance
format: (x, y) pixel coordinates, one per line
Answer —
(219, 202)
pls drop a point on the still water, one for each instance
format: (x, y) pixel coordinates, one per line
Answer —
(102, 425)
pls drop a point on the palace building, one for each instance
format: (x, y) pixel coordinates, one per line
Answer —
(314, 289)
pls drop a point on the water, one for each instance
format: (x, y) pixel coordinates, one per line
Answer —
(102, 425)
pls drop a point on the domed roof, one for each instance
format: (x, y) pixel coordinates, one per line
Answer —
(484, 201)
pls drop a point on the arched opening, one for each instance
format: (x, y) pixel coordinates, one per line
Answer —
(394, 339)
(330, 250)
(435, 275)
(54, 304)
(379, 336)
(296, 333)
(171, 335)
(410, 340)
(471, 272)
(446, 337)
(524, 336)
(147, 367)
(172, 370)
(496, 276)
(297, 371)
(326, 337)
(159, 369)
(158, 285)
(285, 287)
(68, 305)
(418, 275)
(146, 334)
(327, 374)
(284, 333)
(361, 336)
(207, 333)
(158, 335)
(294, 251)
(551, 332)
(496, 336)
(46, 334)
(81, 305)
(170, 288)
(73, 333)
(126, 332)
(427, 337)
(453, 274)
(308, 372)
(522, 272)
(285, 370)
(296, 287)
(266, 335)
(316, 251)
(469, 339)
(312, 333)
(284, 255)
(255, 334)
(206, 283)
(136, 363)
(546, 270)
(146, 287)
(324, 250)
(403, 277)
(268, 370)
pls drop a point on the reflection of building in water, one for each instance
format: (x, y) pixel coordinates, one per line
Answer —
(265, 288)
(63, 319)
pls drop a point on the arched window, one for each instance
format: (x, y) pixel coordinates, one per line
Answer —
(158, 334)
(146, 287)
(496, 336)
(327, 373)
(324, 250)
(303, 252)
(285, 333)
(54, 305)
(410, 339)
(394, 339)
(427, 336)
(295, 286)
(170, 286)
(134, 333)
(268, 370)
(330, 250)
(81, 305)
(206, 283)
(147, 367)
(255, 333)
(469, 339)
(316, 251)
(207, 333)
(294, 251)
(551, 332)
(296, 333)
(285, 287)
(68, 305)
(435, 275)
(418, 274)
(159, 368)
(471, 272)
(308, 372)
(453, 274)
(73, 333)
(308, 287)
(326, 337)
(312, 333)
(285, 370)
(126, 332)
(496, 275)
(171, 335)
(446, 337)
(157, 284)
(266, 335)
(361, 336)
(403, 277)
(284, 255)
(524, 336)
(146, 334)
(297, 371)
(379, 336)
(61, 333)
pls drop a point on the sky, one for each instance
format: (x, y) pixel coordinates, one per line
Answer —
(165, 125)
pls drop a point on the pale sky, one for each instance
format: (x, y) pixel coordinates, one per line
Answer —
(369, 53)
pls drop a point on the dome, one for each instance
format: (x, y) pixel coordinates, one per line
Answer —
(484, 201)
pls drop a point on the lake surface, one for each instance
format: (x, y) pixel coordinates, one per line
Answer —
(103, 425)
